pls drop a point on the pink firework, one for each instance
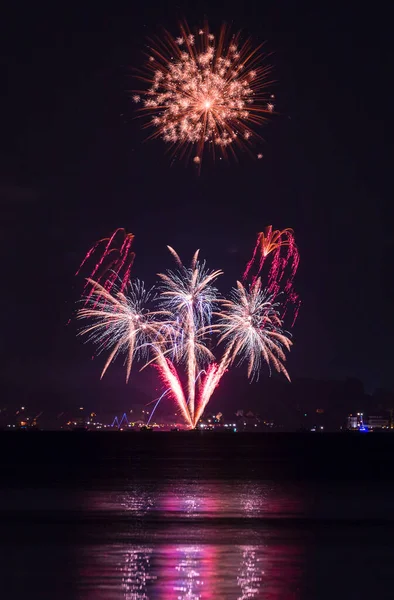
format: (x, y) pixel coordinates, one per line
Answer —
(170, 378)
(113, 260)
(177, 325)
(276, 254)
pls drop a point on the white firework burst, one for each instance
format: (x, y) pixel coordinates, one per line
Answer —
(121, 322)
(252, 329)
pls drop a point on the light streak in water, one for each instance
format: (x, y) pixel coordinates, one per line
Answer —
(250, 573)
(136, 573)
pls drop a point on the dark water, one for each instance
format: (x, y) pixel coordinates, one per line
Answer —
(110, 517)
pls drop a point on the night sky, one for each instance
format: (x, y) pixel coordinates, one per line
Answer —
(74, 166)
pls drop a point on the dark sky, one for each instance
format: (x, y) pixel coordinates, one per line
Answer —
(74, 166)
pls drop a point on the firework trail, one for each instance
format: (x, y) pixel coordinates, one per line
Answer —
(190, 319)
(188, 294)
(251, 330)
(170, 378)
(113, 260)
(276, 251)
(157, 402)
(205, 92)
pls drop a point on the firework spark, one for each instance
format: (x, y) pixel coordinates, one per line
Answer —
(252, 329)
(121, 322)
(205, 92)
(189, 296)
(113, 260)
(170, 378)
(277, 251)
(189, 320)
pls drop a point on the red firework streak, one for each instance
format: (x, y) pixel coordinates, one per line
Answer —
(277, 251)
(114, 260)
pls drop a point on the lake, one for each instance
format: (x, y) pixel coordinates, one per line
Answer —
(111, 516)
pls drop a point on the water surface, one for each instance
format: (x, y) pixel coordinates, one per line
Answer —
(117, 527)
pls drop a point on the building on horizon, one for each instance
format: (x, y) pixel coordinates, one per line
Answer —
(355, 421)
(378, 422)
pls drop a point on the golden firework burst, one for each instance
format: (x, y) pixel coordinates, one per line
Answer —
(205, 92)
